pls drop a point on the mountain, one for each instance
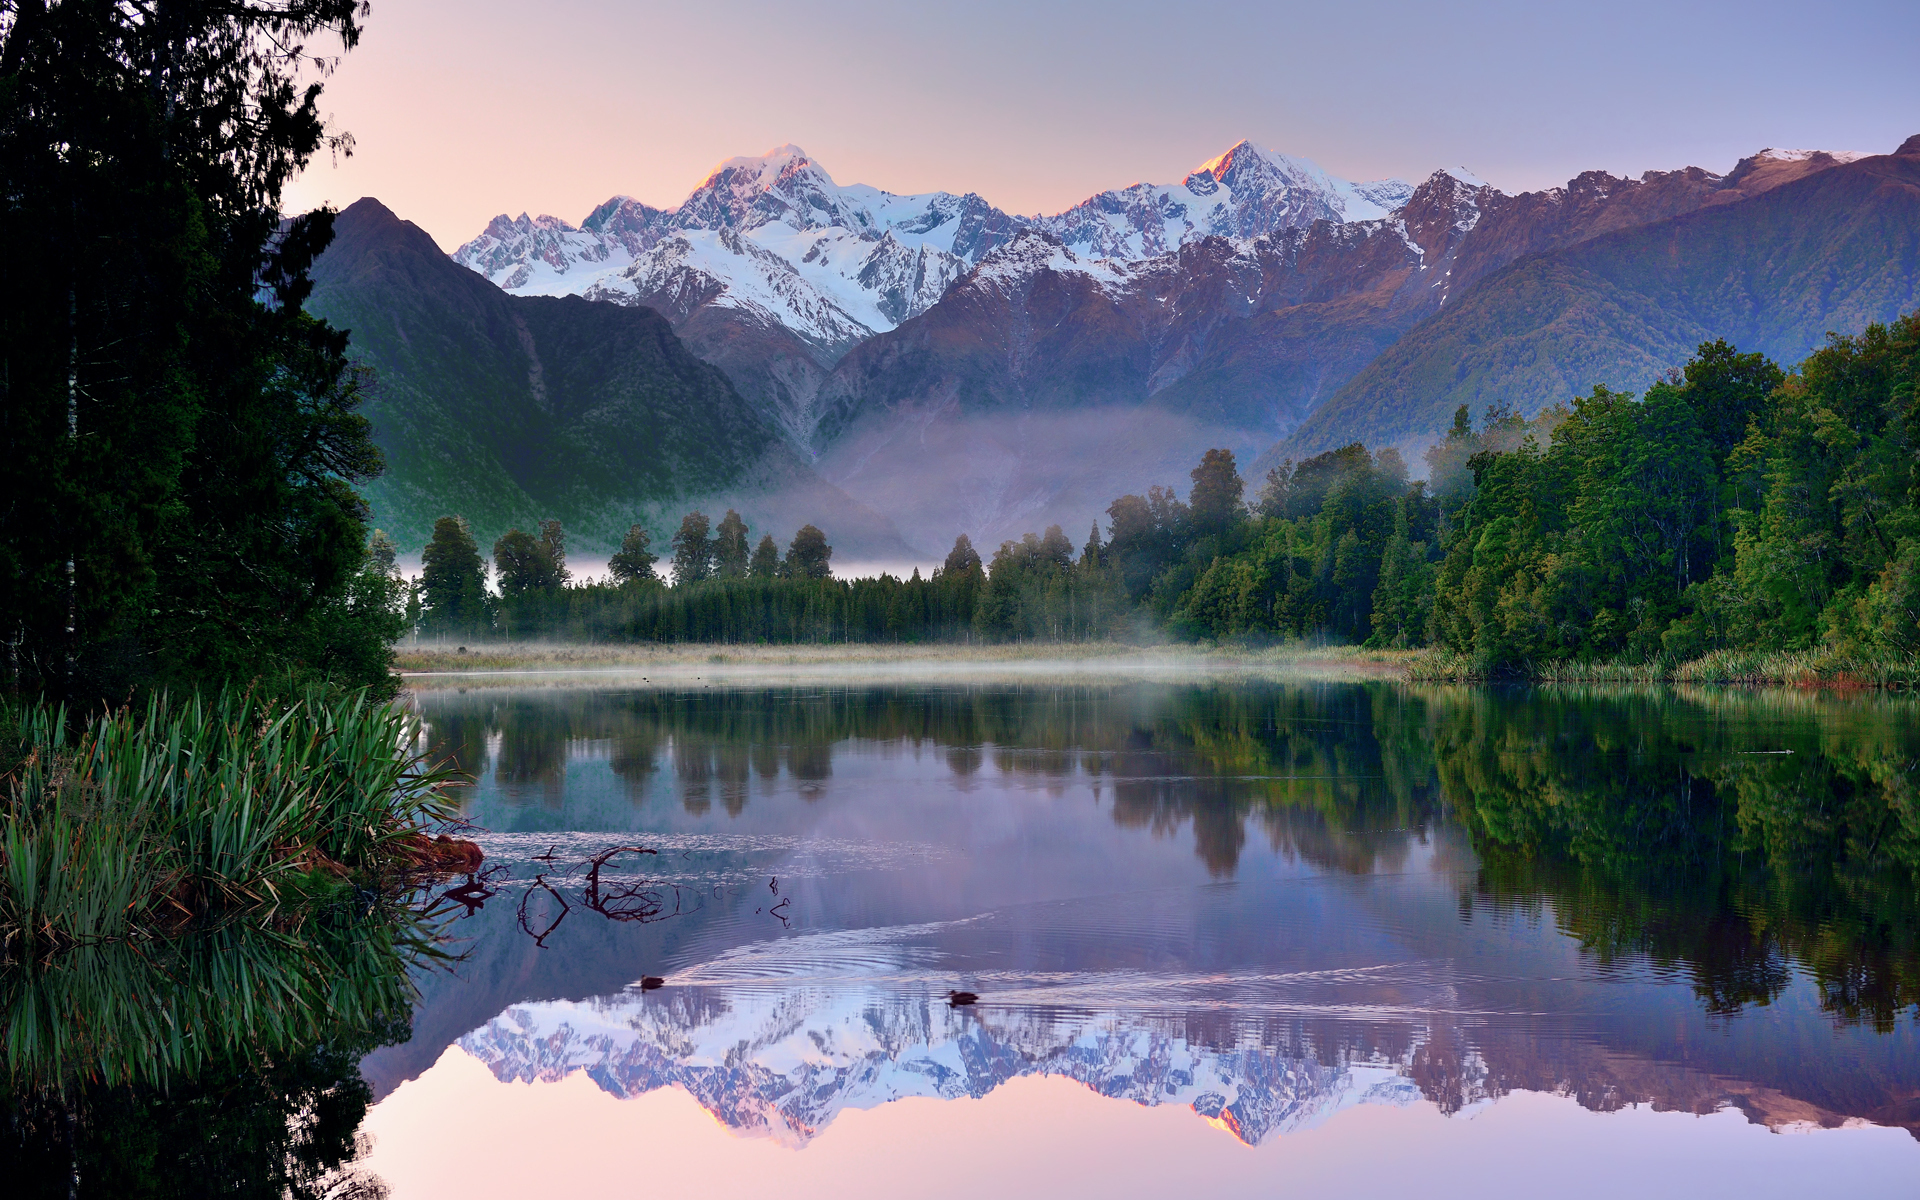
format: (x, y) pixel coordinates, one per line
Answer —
(507, 409)
(772, 271)
(1246, 192)
(1794, 245)
(782, 1065)
(1044, 382)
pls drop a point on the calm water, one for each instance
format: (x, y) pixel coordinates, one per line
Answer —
(1234, 938)
(1240, 937)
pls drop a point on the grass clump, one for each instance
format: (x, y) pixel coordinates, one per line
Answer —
(1790, 668)
(140, 821)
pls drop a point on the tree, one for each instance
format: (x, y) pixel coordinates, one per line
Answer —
(453, 581)
(963, 557)
(730, 548)
(181, 440)
(692, 550)
(553, 547)
(808, 555)
(766, 559)
(1091, 555)
(1214, 502)
(1055, 548)
(634, 561)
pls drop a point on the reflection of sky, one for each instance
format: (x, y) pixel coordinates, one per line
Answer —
(1280, 992)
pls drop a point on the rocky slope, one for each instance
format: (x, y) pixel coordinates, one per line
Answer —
(1830, 245)
(1045, 382)
(507, 409)
(773, 271)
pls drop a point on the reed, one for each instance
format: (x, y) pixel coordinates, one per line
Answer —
(1791, 668)
(139, 820)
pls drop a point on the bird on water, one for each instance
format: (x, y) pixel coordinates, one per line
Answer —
(959, 998)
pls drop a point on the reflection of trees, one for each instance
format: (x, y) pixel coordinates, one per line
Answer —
(227, 1061)
(1727, 834)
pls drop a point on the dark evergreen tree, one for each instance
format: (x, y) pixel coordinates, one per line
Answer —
(1214, 502)
(180, 439)
(635, 560)
(963, 557)
(766, 559)
(453, 584)
(730, 547)
(808, 555)
(692, 550)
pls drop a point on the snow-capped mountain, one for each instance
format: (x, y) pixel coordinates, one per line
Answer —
(783, 1064)
(1244, 193)
(775, 237)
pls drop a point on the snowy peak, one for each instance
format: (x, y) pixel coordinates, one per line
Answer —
(1246, 192)
(783, 1066)
(783, 185)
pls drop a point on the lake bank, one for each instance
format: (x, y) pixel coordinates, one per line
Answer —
(420, 664)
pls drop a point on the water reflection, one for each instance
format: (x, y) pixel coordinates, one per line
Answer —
(224, 1062)
(1265, 902)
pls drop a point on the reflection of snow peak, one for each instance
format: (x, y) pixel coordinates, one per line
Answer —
(783, 1063)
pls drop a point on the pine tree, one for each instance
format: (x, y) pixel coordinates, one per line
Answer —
(730, 547)
(634, 560)
(692, 550)
(808, 556)
(766, 559)
(453, 581)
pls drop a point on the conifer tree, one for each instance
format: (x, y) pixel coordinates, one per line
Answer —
(730, 547)
(766, 559)
(692, 550)
(635, 560)
(808, 555)
(180, 439)
(453, 581)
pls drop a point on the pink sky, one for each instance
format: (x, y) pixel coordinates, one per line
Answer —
(457, 1132)
(465, 110)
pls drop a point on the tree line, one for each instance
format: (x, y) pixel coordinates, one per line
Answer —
(1734, 505)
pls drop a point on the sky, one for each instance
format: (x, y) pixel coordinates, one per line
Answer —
(464, 109)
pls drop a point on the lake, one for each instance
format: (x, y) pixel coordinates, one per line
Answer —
(1227, 935)
(1232, 935)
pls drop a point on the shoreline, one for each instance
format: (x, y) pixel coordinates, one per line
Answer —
(532, 662)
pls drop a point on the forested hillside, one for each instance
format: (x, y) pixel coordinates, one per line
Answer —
(1835, 250)
(510, 409)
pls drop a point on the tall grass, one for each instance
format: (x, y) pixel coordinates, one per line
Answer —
(1801, 668)
(134, 1012)
(141, 819)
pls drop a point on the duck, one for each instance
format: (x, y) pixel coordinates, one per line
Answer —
(956, 999)
(650, 982)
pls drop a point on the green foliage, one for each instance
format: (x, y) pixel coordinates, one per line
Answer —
(766, 559)
(692, 550)
(1311, 562)
(225, 1061)
(1648, 531)
(634, 561)
(808, 555)
(212, 804)
(730, 547)
(181, 438)
(453, 584)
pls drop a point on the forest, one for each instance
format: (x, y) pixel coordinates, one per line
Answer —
(1733, 508)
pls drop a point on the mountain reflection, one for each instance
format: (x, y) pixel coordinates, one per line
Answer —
(1726, 851)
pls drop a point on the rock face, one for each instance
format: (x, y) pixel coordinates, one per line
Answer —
(773, 271)
(507, 409)
(1572, 292)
